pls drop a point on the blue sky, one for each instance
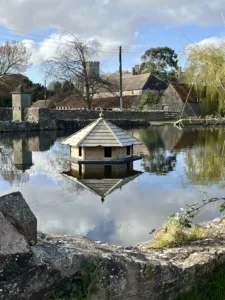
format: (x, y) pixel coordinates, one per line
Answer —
(135, 24)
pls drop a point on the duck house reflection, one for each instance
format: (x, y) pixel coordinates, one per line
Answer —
(102, 179)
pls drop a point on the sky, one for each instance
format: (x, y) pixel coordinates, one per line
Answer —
(136, 25)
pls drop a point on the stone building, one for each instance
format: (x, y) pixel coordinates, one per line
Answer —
(181, 98)
(180, 76)
(101, 142)
(134, 84)
(21, 99)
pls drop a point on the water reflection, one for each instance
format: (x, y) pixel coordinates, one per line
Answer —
(157, 149)
(102, 180)
(22, 157)
(176, 165)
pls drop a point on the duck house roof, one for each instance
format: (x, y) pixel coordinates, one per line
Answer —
(101, 133)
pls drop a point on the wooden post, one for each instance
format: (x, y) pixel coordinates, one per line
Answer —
(121, 79)
(45, 93)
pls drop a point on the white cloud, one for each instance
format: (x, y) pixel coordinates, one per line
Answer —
(211, 41)
(116, 20)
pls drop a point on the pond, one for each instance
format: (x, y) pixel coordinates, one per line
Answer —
(121, 204)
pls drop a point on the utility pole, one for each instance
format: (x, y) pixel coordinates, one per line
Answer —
(45, 93)
(121, 78)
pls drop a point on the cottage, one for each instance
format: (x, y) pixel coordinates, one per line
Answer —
(101, 142)
(134, 84)
(181, 98)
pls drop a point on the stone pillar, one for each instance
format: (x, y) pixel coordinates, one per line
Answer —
(21, 99)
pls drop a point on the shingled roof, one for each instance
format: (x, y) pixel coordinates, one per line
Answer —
(101, 133)
(132, 82)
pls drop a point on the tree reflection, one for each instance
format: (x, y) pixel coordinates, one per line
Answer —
(205, 162)
(8, 171)
(159, 162)
(155, 152)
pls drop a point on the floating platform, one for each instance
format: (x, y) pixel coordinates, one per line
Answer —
(161, 123)
(199, 122)
(103, 162)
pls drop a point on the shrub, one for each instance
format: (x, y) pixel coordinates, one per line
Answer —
(148, 98)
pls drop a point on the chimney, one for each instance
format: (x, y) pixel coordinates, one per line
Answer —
(137, 69)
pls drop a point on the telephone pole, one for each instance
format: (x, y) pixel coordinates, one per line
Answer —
(45, 93)
(121, 78)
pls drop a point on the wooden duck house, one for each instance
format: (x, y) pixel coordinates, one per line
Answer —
(101, 142)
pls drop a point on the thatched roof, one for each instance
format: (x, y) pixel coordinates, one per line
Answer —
(185, 91)
(44, 104)
(114, 102)
(101, 133)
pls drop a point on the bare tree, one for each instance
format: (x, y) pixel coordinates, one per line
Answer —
(71, 63)
(14, 58)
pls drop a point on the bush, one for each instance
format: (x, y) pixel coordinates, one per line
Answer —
(148, 98)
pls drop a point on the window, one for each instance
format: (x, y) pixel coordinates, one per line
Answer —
(128, 150)
(108, 151)
(80, 151)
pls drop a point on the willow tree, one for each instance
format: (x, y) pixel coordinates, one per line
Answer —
(205, 68)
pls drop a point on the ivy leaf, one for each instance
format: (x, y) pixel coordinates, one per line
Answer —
(222, 207)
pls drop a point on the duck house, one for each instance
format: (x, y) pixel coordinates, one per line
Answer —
(101, 142)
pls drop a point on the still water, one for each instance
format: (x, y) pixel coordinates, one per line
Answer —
(118, 204)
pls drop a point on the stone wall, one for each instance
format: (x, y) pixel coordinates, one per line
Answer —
(110, 115)
(43, 115)
(5, 114)
(45, 119)
(18, 126)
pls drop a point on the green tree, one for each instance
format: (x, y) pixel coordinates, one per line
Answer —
(161, 62)
(149, 97)
(37, 92)
(205, 68)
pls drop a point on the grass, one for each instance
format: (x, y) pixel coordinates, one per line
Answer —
(213, 289)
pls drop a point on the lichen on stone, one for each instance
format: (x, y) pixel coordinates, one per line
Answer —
(173, 234)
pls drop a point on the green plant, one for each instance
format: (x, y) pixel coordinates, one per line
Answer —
(179, 228)
(213, 289)
(81, 286)
(148, 98)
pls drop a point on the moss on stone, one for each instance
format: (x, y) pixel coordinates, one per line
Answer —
(174, 235)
